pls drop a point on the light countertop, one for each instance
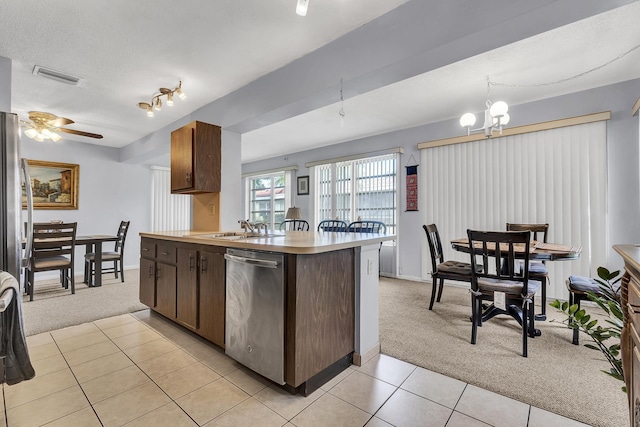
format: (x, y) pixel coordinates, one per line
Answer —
(291, 242)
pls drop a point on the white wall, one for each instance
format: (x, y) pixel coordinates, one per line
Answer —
(623, 163)
(5, 84)
(109, 192)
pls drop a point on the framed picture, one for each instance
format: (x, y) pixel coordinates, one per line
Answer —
(303, 185)
(54, 185)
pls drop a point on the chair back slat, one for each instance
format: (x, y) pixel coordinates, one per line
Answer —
(51, 240)
(435, 245)
(367, 227)
(294, 225)
(335, 225)
(122, 235)
(537, 230)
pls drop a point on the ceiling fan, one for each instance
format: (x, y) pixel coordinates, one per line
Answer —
(46, 126)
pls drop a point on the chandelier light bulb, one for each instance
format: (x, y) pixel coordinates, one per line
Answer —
(301, 7)
(467, 120)
(498, 109)
(505, 119)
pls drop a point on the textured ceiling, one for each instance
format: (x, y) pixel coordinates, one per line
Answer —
(124, 51)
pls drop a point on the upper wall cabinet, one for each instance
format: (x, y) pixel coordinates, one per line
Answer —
(195, 159)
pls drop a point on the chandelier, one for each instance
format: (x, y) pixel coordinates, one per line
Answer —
(156, 100)
(495, 117)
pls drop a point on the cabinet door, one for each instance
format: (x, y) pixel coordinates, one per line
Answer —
(166, 289)
(212, 296)
(187, 284)
(147, 282)
(182, 159)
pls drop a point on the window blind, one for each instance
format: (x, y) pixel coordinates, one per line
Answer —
(554, 176)
(169, 211)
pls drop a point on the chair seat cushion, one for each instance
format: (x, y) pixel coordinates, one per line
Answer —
(512, 287)
(106, 256)
(535, 267)
(52, 262)
(455, 267)
(583, 284)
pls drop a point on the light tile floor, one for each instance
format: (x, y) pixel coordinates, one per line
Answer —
(141, 370)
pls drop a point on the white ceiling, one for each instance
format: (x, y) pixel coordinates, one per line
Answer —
(124, 51)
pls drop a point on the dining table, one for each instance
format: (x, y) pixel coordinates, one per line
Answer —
(538, 251)
(93, 243)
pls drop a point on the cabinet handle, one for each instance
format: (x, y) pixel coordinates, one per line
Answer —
(158, 270)
(203, 264)
(187, 178)
(145, 249)
(151, 271)
(165, 253)
(190, 261)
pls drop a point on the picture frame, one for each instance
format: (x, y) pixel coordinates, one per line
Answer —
(303, 185)
(54, 185)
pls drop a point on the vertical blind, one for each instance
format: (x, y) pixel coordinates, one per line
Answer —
(169, 211)
(554, 176)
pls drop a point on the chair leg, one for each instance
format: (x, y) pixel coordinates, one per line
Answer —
(115, 267)
(121, 271)
(525, 328)
(86, 271)
(31, 285)
(576, 332)
(544, 298)
(440, 290)
(474, 320)
(433, 291)
(73, 280)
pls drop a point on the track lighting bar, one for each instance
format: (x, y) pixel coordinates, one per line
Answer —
(156, 100)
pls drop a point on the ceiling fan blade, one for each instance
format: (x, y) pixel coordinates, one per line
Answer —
(81, 133)
(60, 121)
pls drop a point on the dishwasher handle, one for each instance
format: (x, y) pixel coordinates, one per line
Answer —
(255, 262)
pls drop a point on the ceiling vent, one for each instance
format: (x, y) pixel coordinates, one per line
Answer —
(55, 75)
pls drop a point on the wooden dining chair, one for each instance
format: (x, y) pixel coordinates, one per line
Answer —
(537, 269)
(332, 225)
(116, 256)
(52, 248)
(294, 225)
(502, 275)
(442, 270)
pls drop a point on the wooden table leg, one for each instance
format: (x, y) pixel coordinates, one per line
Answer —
(97, 280)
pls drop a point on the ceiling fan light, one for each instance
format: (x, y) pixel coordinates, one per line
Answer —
(467, 120)
(31, 132)
(46, 133)
(498, 109)
(170, 99)
(55, 137)
(39, 137)
(301, 7)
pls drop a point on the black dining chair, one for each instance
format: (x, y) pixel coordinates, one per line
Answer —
(116, 256)
(332, 225)
(441, 269)
(537, 269)
(294, 225)
(502, 275)
(367, 227)
(52, 248)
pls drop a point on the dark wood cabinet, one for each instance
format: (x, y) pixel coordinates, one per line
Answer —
(185, 283)
(212, 295)
(187, 287)
(196, 158)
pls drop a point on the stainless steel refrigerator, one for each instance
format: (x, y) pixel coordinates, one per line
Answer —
(13, 350)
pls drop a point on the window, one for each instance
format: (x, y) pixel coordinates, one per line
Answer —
(267, 198)
(358, 189)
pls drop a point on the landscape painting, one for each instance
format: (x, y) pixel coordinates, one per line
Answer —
(54, 185)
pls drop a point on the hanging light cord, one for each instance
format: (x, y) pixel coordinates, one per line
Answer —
(622, 55)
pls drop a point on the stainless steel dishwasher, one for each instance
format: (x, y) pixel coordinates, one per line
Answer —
(254, 325)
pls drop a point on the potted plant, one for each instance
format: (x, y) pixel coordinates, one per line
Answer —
(605, 338)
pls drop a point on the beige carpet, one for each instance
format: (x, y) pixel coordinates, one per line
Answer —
(557, 376)
(53, 307)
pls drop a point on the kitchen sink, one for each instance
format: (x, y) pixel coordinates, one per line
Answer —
(234, 235)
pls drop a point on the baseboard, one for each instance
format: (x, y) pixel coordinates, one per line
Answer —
(361, 359)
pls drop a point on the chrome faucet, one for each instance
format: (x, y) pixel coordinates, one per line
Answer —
(244, 223)
(259, 225)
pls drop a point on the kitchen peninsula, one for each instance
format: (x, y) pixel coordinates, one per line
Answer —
(330, 293)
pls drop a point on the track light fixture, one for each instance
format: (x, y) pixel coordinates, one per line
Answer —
(156, 100)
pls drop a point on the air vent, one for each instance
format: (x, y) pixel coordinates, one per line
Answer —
(55, 75)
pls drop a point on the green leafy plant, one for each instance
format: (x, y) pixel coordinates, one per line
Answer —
(605, 338)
